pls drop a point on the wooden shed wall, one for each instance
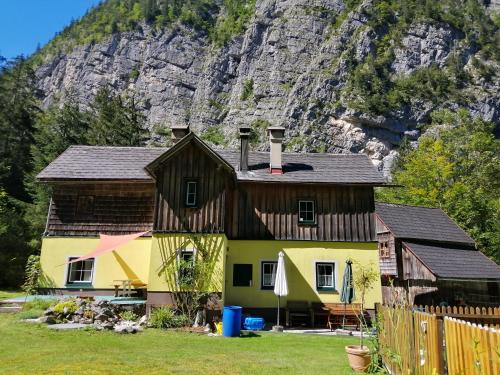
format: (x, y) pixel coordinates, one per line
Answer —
(191, 163)
(118, 208)
(270, 211)
(388, 266)
(414, 269)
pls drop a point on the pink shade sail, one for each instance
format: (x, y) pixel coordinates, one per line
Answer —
(107, 244)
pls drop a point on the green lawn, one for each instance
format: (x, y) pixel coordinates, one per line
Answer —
(5, 294)
(36, 349)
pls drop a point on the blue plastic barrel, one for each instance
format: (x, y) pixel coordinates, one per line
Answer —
(231, 321)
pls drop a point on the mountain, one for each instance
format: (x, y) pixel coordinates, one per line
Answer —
(340, 75)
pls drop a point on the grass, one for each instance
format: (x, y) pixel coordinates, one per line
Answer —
(6, 294)
(166, 352)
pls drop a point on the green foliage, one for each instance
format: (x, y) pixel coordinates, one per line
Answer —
(33, 272)
(456, 168)
(215, 135)
(39, 304)
(29, 314)
(116, 121)
(247, 89)
(128, 315)
(371, 86)
(69, 305)
(166, 317)
(219, 21)
(232, 20)
(134, 74)
(365, 278)
(15, 235)
(258, 129)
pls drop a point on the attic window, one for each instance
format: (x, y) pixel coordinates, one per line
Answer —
(85, 205)
(191, 193)
(307, 214)
(383, 248)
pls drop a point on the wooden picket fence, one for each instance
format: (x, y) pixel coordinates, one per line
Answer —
(419, 343)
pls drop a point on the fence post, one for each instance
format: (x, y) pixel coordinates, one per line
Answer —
(440, 338)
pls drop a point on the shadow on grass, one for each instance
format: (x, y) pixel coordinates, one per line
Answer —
(246, 335)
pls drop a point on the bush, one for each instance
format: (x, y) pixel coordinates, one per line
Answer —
(30, 314)
(128, 315)
(247, 89)
(38, 304)
(70, 305)
(166, 317)
(215, 135)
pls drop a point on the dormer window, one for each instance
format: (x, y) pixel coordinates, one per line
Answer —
(307, 214)
(191, 199)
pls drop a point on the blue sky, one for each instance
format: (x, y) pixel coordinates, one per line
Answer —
(26, 23)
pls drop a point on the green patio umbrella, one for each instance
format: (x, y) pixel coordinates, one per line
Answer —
(347, 295)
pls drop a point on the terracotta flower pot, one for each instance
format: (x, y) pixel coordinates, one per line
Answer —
(359, 357)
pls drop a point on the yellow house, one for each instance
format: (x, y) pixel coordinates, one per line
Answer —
(238, 209)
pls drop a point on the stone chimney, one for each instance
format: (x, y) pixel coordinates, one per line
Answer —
(179, 132)
(276, 135)
(244, 136)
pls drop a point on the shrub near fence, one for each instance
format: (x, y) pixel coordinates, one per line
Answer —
(418, 343)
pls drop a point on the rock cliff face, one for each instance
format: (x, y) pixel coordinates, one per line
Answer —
(289, 68)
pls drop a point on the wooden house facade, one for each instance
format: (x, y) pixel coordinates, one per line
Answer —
(247, 206)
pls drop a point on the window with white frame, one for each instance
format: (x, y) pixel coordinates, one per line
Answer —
(268, 274)
(307, 214)
(325, 276)
(191, 193)
(80, 272)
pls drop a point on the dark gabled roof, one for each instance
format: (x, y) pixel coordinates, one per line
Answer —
(448, 262)
(308, 168)
(129, 163)
(179, 146)
(101, 163)
(421, 223)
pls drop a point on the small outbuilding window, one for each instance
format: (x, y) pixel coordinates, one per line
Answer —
(325, 276)
(383, 248)
(186, 266)
(268, 274)
(242, 275)
(307, 214)
(191, 193)
(80, 272)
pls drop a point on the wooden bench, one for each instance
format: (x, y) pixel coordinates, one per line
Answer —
(341, 314)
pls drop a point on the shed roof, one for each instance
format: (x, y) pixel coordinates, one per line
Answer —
(128, 163)
(450, 262)
(421, 223)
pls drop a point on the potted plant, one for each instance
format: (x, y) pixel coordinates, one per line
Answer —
(365, 278)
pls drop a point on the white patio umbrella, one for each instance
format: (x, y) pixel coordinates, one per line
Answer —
(280, 285)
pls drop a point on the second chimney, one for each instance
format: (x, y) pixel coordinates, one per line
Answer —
(179, 132)
(276, 135)
(244, 136)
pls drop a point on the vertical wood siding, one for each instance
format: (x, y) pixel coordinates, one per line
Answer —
(388, 266)
(119, 208)
(213, 182)
(270, 211)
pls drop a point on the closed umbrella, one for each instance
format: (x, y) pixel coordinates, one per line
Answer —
(280, 285)
(347, 295)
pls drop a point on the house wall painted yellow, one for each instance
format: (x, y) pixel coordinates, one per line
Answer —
(150, 259)
(164, 257)
(130, 261)
(300, 259)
